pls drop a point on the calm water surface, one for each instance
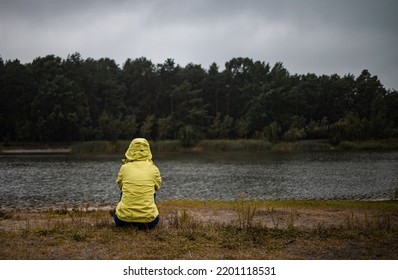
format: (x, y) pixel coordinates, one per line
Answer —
(51, 181)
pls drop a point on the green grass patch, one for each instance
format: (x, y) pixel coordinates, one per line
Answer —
(239, 145)
(100, 147)
(166, 146)
(302, 146)
(234, 145)
(120, 147)
(385, 144)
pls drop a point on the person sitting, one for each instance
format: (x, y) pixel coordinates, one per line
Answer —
(138, 180)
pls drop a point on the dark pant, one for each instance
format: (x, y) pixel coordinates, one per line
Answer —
(141, 226)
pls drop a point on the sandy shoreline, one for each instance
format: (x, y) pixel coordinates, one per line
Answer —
(35, 151)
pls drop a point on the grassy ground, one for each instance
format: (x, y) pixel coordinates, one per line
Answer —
(210, 230)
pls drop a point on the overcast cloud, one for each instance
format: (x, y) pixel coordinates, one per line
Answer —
(308, 36)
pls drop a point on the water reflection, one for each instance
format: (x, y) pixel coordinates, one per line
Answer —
(45, 181)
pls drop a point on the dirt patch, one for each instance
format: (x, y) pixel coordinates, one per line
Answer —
(304, 219)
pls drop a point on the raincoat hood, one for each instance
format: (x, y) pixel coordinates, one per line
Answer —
(139, 150)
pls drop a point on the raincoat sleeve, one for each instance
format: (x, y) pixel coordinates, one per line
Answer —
(119, 179)
(158, 179)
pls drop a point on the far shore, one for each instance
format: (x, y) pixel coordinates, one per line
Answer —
(36, 151)
(236, 145)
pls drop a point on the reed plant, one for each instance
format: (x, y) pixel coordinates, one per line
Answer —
(180, 219)
(100, 147)
(385, 144)
(245, 210)
(234, 145)
(239, 145)
(166, 146)
(302, 146)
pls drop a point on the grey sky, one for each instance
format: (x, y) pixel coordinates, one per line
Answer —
(308, 36)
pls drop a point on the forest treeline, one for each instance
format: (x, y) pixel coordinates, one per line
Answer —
(75, 99)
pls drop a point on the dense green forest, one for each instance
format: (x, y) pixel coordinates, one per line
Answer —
(75, 99)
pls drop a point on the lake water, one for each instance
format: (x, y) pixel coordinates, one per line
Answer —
(37, 182)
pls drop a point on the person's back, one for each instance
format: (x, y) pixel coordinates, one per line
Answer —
(138, 179)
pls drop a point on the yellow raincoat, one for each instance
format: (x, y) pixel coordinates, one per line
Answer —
(138, 179)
